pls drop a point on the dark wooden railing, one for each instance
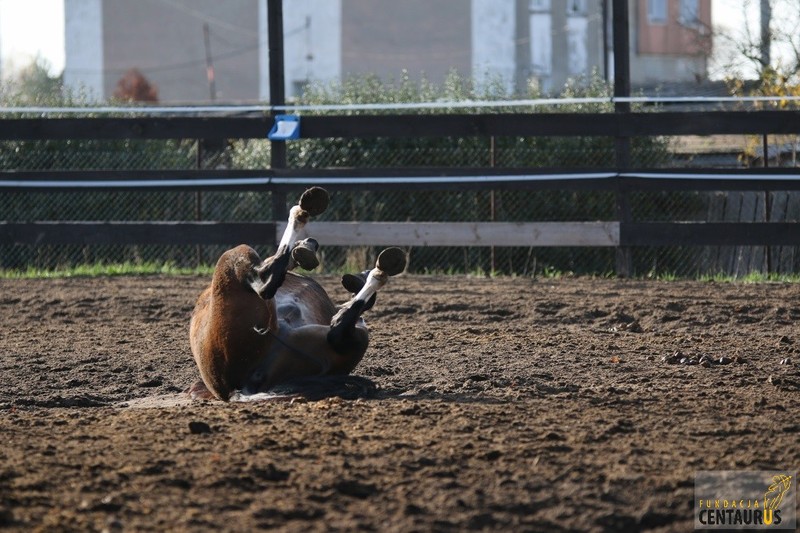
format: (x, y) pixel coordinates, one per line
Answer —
(619, 233)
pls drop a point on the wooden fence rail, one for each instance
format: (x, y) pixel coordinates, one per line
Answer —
(256, 126)
(622, 125)
(621, 233)
(616, 233)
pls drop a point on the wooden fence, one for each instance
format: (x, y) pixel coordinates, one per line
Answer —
(622, 233)
(621, 125)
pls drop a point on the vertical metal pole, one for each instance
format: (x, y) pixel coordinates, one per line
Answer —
(492, 265)
(767, 205)
(622, 71)
(198, 200)
(277, 96)
(622, 145)
(606, 46)
(212, 84)
(522, 49)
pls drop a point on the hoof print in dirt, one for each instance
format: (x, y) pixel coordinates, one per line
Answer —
(199, 428)
(679, 358)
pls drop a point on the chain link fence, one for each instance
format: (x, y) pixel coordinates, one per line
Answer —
(438, 206)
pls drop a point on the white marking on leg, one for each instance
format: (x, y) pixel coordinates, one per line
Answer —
(292, 232)
(375, 280)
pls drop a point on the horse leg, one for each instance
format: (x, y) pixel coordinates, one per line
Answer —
(319, 349)
(291, 252)
(346, 335)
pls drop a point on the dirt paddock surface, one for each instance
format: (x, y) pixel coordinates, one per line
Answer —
(504, 404)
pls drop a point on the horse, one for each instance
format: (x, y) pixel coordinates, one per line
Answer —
(259, 324)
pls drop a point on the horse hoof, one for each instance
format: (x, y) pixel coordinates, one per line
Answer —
(314, 201)
(305, 254)
(391, 261)
(199, 391)
(354, 282)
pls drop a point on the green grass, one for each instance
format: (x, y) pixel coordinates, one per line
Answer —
(106, 269)
(753, 277)
(170, 269)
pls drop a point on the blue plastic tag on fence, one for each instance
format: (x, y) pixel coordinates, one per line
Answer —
(286, 127)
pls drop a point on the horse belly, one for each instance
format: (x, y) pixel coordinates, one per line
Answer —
(301, 301)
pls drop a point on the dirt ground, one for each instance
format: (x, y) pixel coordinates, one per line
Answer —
(504, 404)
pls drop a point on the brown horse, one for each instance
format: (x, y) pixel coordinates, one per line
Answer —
(259, 325)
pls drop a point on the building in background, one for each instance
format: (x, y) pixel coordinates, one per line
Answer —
(205, 50)
(165, 40)
(670, 41)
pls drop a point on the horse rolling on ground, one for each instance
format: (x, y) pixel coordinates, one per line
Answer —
(258, 325)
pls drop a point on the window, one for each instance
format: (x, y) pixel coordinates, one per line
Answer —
(689, 13)
(541, 44)
(657, 11)
(298, 87)
(576, 7)
(539, 5)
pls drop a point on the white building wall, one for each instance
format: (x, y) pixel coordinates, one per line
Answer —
(493, 47)
(654, 69)
(541, 45)
(263, 53)
(577, 41)
(83, 42)
(312, 34)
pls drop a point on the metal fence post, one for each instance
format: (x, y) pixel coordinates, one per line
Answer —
(767, 204)
(198, 200)
(492, 265)
(622, 144)
(277, 97)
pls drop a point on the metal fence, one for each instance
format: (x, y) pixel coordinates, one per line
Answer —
(440, 205)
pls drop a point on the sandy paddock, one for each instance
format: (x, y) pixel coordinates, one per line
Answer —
(504, 404)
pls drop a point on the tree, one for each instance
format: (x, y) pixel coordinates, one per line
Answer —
(34, 85)
(133, 86)
(767, 40)
(762, 58)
